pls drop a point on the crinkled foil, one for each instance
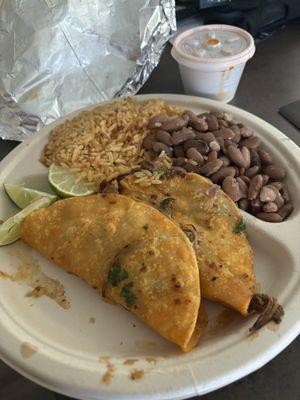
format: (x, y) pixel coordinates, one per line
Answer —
(57, 56)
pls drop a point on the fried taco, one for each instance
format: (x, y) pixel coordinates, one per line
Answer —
(130, 252)
(214, 225)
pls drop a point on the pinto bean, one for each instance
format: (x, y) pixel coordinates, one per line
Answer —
(194, 154)
(244, 204)
(225, 160)
(275, 172)
(279, 201)
(207, 136)
(203, 115)
(245, 131)
(245, 179)
(224, 133)
(251, 172)
(228, 143)
(236, 156)
(237, 133)
(232, 188)
(223, 123)
(148, 165)
(158, 147)
(212, 155)
(148, 141)
(180, 161)
(247, 157)
(254, 187)
(237, 171)
(277, 185)
(191, 167)
(214, 145)
(269, 216)
(199, 144)
(210, 167)
(243, 187)
(212, 122)
(174, 124)
(179, 170)
(270, 207)
(220, 141)
(227, 117)
(285, 194)
(265, 157)
(197, 123)
(265, 179)
(182, 135)
(255, 159)
(178, 150)
(156, 121)
(217, 113)
(252, 142)
(223, 172)
(256, 205)
(164, 137)
(267, 194)
(286, 210)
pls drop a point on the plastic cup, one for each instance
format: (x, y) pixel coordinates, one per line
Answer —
(212, 58)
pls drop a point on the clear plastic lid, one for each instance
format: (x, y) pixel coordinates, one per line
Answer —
(214, 44)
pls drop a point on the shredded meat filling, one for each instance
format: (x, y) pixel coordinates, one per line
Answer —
(166, 206)
(192, 235)
(269, 309)
(109, 187)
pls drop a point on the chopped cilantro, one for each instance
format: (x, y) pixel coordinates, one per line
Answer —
(130, 298)
(117, 274)
(241, 226)
(146, 226)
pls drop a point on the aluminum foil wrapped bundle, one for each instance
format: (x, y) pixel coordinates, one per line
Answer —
(57, 56)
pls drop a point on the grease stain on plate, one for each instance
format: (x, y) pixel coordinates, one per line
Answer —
(30, 272)
(222, 321)
(92, 320)
(110, 369)
(272, 326)
(253, 335)
(28, 350)
(151, 360)
(136, 374)
(130, 361)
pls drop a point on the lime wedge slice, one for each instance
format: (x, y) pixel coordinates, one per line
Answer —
(23, 196)
(65, 182)
(10, 229)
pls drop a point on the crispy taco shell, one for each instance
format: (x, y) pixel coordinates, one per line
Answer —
(130, 252)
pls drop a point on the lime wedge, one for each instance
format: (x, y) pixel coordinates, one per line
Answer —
(65, 182)
(10, 229)
(23, 196)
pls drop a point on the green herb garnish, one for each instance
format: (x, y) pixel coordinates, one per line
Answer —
(146, 226)
(117, 274)
(241, 226)
(130, 298)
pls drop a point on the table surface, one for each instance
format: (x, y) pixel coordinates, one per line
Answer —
(270, 80)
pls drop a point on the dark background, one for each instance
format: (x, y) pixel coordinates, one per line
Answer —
(270, 80)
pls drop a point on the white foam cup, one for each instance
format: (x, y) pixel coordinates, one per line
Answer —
(212, 58)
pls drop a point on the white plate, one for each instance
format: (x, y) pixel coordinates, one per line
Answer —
(69, 347)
